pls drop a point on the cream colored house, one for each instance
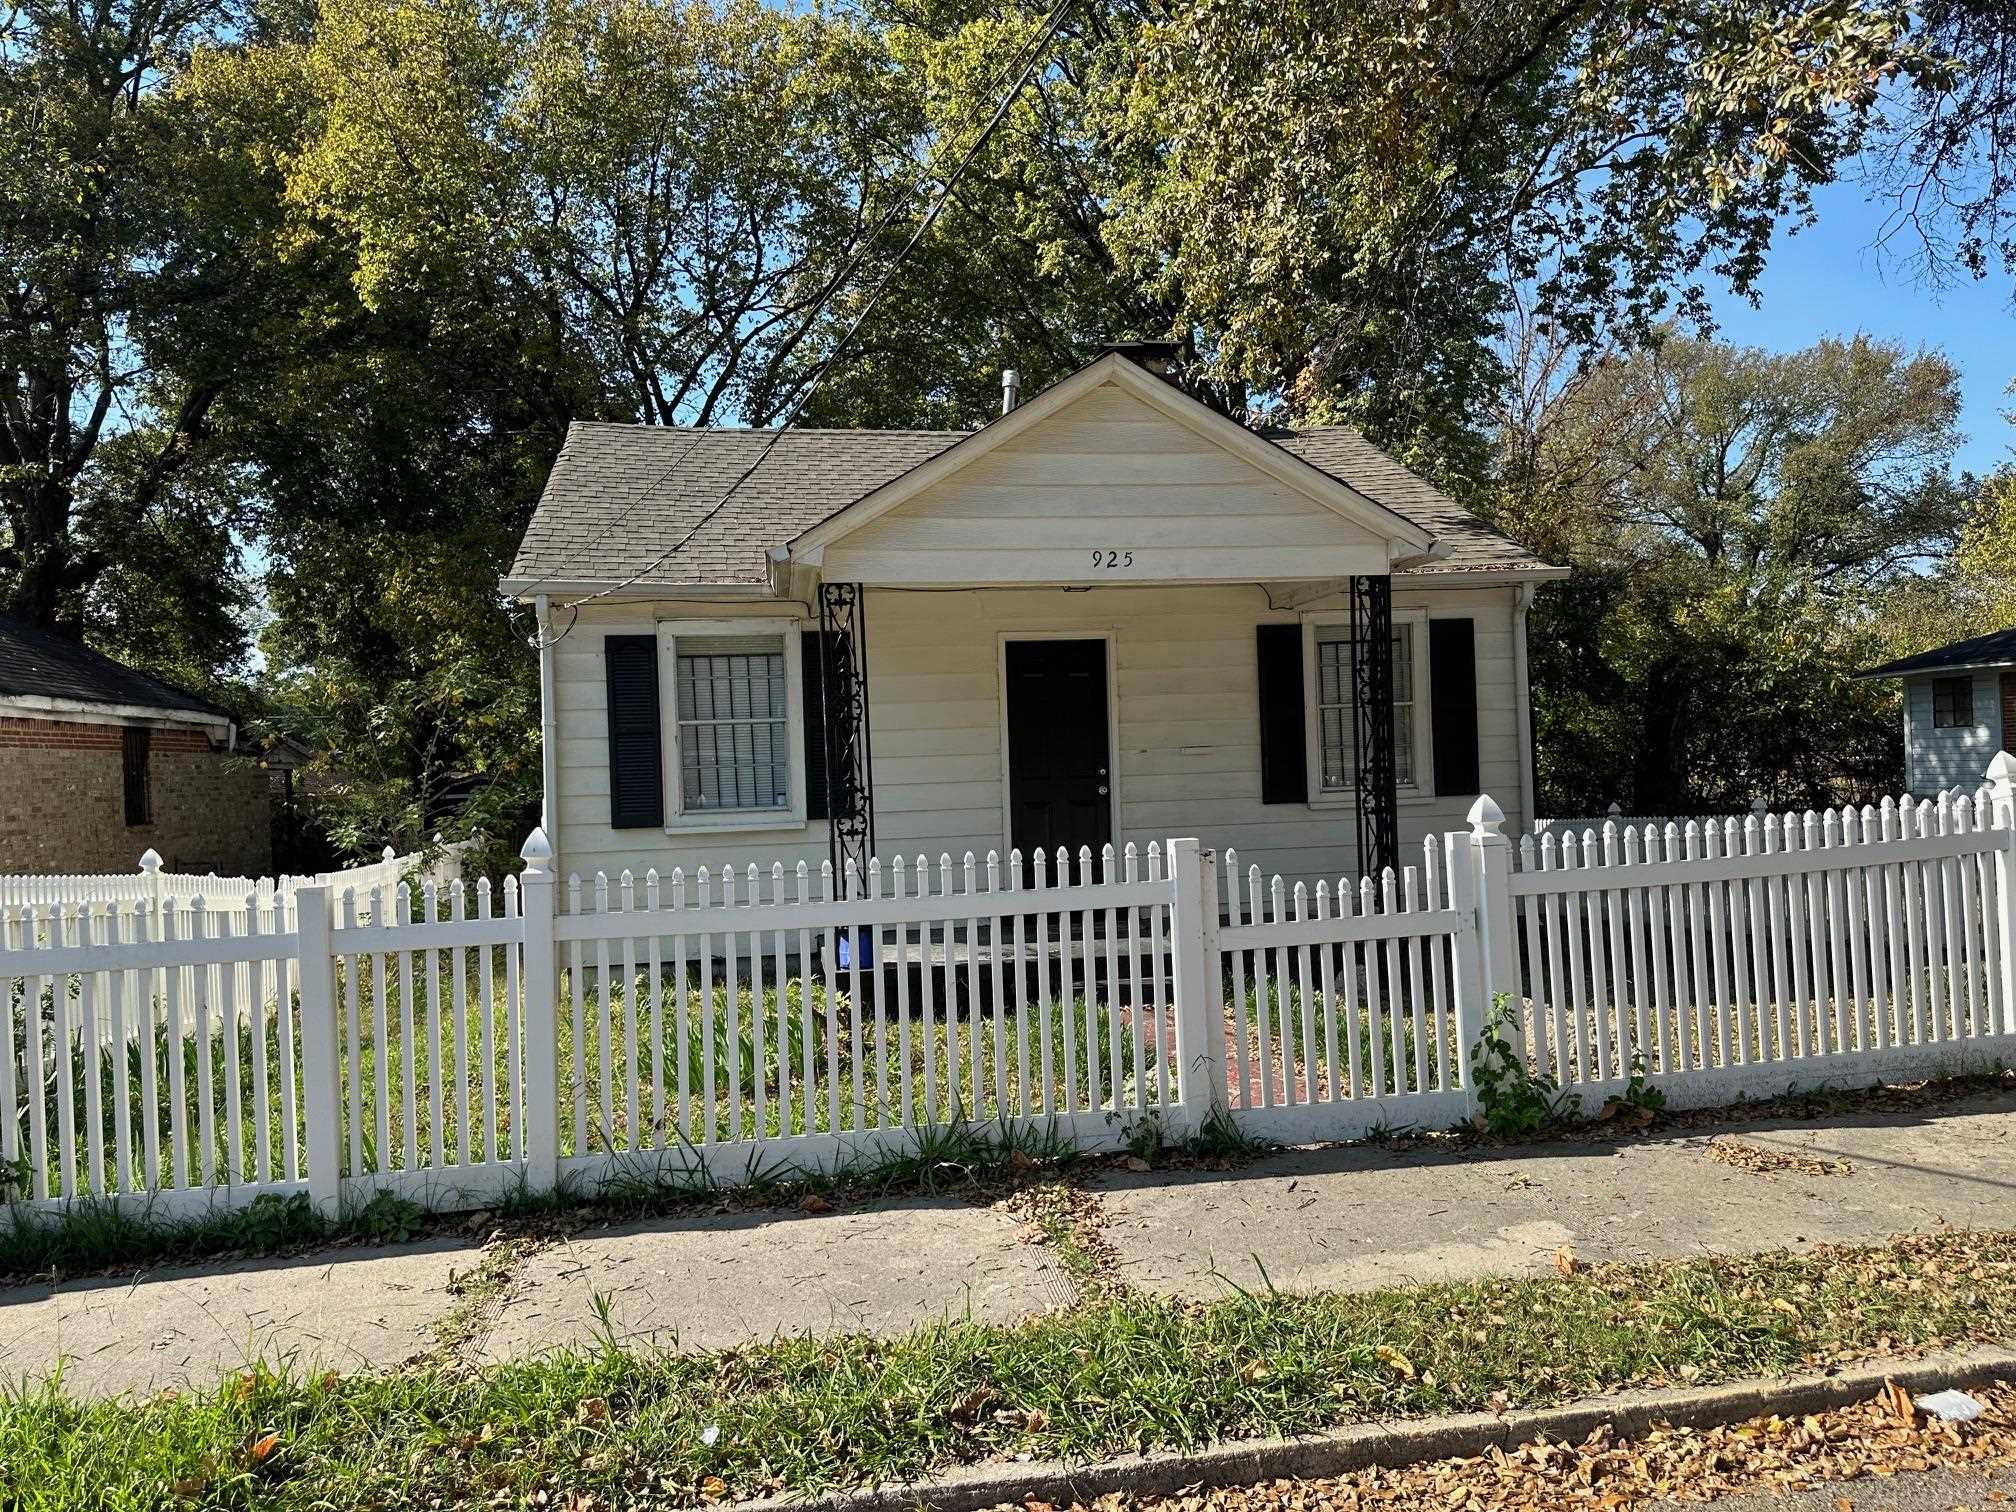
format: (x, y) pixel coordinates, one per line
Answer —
(1112, 614)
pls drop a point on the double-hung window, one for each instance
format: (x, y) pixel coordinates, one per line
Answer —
(1334, 750)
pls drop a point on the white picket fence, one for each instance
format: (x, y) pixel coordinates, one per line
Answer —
(460, 1041)
(1396, 964)
(150, 884)
(1729, 958)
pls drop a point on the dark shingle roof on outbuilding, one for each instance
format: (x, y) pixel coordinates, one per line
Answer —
(1995, 649)
(37, 663)
(620, 496)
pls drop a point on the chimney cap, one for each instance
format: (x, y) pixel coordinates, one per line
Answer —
(1156, 356)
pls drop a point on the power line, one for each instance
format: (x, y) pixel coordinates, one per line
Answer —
(1035, 53)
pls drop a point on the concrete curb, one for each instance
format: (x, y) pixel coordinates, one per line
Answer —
(1338, 1451)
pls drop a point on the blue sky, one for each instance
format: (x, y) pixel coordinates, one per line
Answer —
(1832, 280)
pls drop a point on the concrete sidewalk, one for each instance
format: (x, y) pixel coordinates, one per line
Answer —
(1314, 1218)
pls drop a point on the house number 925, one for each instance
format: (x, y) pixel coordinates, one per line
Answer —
(1111, 559)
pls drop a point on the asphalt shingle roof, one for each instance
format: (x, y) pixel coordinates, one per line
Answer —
(1996, 649)
(35, 663)
(620, 495)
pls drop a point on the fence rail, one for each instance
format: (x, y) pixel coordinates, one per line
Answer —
(1723, 955)
(151, 883)
(456, 1040)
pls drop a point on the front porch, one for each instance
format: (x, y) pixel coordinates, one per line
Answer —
(1090, 687)
(1213, 711)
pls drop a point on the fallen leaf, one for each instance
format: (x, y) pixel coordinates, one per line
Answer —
(1395, 1361)
(969, 1407)
(592, 1409)
(814, 1203)
(1565, 1263)
(257, 1451)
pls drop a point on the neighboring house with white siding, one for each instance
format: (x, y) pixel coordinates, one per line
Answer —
(1111, 614)
(1959, 709)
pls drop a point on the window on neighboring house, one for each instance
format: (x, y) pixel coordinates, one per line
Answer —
(1952, 703)
(733, 723)
(1334, 707)
(136, 745)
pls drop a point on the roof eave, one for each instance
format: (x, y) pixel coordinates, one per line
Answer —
(620, 590)
(1485, 577)
(36, 705)
(1913, 668)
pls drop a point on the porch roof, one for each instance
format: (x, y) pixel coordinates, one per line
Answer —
(620, 495)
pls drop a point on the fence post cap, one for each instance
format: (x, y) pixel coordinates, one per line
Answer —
(388, 854)
(537, 852)
(151, 860)
(2002, 770)
(1486, 818)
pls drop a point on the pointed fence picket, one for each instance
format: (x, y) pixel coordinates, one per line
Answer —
(1733, 957)
(806, 1016)
(454, 1041)
(1350, 1010)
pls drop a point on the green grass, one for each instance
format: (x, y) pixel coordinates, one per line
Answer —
(1118, 1373)
(94, 1235)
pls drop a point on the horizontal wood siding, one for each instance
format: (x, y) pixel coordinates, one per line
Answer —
(1113, 475)
(1187, 761)
(1935, 760)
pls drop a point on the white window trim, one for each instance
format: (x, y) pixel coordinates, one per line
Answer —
(1423, 786)
(710, 821)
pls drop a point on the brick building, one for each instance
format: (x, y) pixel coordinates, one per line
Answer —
(99, 763)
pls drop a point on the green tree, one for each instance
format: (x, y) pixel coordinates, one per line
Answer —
(1737, 521)
(1345, 195)
(137, 239)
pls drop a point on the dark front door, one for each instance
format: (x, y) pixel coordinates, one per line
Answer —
(1059, 760)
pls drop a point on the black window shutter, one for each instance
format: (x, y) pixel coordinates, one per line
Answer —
(136, 751)
(1452, 704)
(636, 763)
(1284, 749)
(812, 644)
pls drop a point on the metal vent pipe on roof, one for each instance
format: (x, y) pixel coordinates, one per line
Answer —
(1011, 389)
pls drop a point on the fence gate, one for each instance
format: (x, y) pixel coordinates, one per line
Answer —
(1349, 1010)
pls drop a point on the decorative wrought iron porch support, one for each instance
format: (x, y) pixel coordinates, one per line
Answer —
(850, 788)
(1372, 728)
